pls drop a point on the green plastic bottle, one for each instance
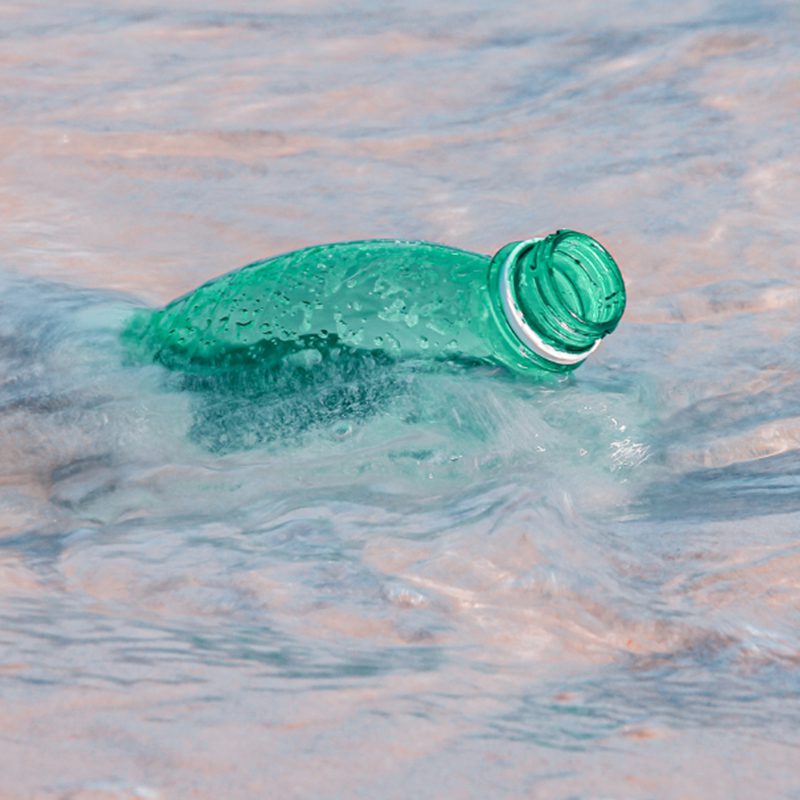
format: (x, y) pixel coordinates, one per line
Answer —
(540, 305)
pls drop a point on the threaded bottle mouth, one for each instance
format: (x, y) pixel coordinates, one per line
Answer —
(561, 295)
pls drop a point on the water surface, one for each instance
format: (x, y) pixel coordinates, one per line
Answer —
(483, 587)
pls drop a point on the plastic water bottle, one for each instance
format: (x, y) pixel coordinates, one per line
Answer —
(537, 305)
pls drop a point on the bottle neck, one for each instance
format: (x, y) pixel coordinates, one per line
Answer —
(559, 295)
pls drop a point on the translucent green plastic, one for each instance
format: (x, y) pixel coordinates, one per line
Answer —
(392, 300)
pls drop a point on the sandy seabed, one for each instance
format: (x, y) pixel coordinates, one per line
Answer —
(492, 589)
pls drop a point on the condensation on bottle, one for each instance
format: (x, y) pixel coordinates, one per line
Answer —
(539, 305)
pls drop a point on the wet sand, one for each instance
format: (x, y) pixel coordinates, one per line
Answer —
(585, 592)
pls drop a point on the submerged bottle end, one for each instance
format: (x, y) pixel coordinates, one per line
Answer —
(134, 332)
(560, 295)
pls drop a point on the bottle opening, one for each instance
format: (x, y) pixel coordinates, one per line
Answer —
(561, 295)
(580, 282)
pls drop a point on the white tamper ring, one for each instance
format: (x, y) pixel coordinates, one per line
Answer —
(516, 320)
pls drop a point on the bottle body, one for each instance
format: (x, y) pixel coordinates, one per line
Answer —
(391, 298)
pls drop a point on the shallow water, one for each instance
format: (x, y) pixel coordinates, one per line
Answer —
(483, 587)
